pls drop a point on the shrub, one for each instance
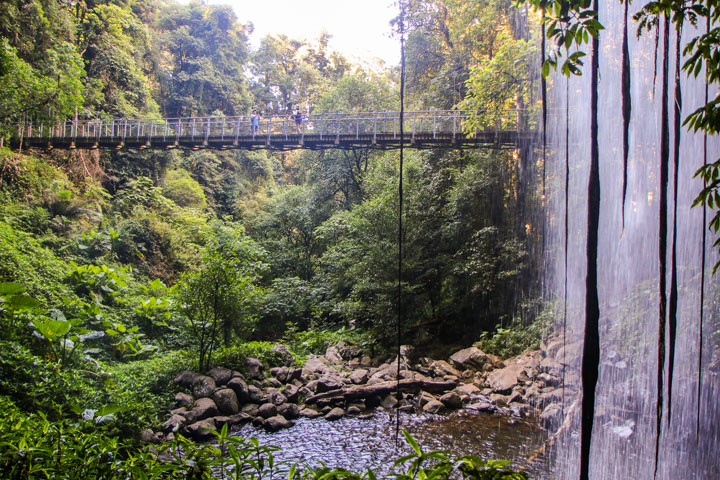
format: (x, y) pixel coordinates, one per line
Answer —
(234, 357)
(181, 188)
(516, 337)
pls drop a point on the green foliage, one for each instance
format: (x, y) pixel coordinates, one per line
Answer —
(24, 260)
(570, 24)
(234, 356)
(316, 341)
(219, 298)
(14, 307)
(183, 190)
(99, 282)
(441, 465)
(36, 383)
(29, 449)
(32, 88)
(516, 337)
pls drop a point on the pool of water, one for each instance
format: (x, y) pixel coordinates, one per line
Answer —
(358, 444)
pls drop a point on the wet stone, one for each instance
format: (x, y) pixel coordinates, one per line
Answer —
(335, 414)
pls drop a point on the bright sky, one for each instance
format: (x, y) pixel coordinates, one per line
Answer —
(360, 29)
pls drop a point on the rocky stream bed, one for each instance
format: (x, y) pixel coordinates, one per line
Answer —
(345, 383)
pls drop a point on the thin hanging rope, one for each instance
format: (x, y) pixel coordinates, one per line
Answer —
(400, 216)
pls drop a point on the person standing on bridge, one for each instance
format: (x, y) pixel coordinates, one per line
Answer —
(254, 122)
(297, 115)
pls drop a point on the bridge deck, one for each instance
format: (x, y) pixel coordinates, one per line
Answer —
(381, 130)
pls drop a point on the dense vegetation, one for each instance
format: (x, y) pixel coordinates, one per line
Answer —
(117, 269)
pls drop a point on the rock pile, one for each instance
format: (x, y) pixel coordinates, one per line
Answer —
(345, 382)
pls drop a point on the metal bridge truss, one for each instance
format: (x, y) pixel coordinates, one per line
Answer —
(381, 130)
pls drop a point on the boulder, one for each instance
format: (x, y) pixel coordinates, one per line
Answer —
(283, 354)
(516, 395)
(250, 409)
(281, 373)
(520, 409)
(201, 430)
(425, 397)
(309, 413)
(327, 383)
(433, 406)
(353, 410)
(174, 423)
(240, 418)
(333, 356)
(482, 407)
(315, 365)
(148, 436)
(276, 397)
(255, 395)
(389, 402)
(517, 370)
(451, 400)
(258, 422)
(359, 376)
(551, 416)
(238, 385)
(470, 358)
(290, 392)
(254, 368)
(221, 420)
(179, 411)
(532, 395)
(467, 389)
(288, 410)
(551, 396)
(221, 375)
(203, 408)
(275, 423)
(551, 366)
(440, 368)
(186, 378)
(183, 400)
(203, 386)
(267, 410)
(549, 380)
(273, 382)
(226, 401)
(335, 414)
(347, 351)
(499, 400)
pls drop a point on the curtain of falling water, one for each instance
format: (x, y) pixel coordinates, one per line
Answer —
(625, 426)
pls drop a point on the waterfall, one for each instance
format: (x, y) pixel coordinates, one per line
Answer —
(656, 407)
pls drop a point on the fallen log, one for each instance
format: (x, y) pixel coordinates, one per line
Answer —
(363, 391)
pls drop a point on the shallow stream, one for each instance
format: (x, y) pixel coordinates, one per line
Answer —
(358, 444)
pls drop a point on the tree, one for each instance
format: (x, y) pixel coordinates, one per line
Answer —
(207, 51)
(40, 69)
(218, 298)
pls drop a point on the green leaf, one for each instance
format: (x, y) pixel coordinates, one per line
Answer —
(11, 288)
(22, 302)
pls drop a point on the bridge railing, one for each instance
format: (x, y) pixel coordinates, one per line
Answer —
(201, 129)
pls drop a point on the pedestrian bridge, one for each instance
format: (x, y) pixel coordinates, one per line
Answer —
(381, 130)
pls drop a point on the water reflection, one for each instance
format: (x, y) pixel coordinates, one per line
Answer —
(358, 444)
